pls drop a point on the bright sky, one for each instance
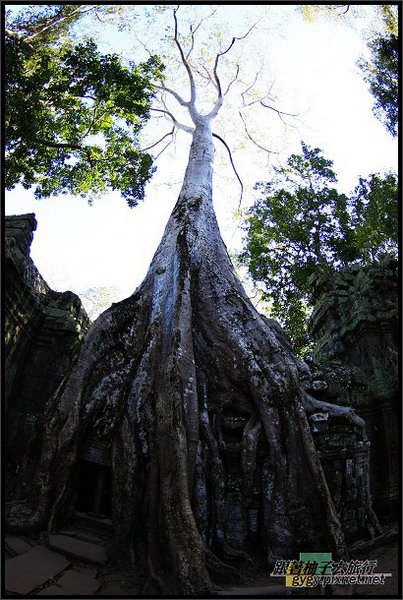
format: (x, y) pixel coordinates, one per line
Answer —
(77, 246)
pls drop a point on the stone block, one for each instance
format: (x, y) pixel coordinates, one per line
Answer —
(78, 549)
(25, 573)
(91, 571)
(84, 536)
(52, 590)
(79, 584)
(17, 546)
(112, 590)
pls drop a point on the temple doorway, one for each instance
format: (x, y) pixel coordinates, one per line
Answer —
(94, 490)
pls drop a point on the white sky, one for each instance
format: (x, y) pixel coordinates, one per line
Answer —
(77, 246)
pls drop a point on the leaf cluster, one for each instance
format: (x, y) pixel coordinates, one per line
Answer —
(72, 114)
(303, 226)
(382, 70)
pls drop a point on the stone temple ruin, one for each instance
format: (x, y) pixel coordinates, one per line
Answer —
(355, 327)
(357, 339)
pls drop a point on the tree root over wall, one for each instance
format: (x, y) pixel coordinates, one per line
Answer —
(154, 377)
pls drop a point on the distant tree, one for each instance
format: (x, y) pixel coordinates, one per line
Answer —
(374, 217)
(304, 225)
(381, 70)
(381, 73)
(72, 115)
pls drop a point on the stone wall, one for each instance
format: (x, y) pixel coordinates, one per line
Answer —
(355, 328)
(43, 333)
(344, 451)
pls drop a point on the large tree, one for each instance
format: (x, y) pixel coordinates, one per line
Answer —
(158, 376)
(73, 115)
(303, 225)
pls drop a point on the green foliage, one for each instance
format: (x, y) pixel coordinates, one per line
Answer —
(374, 217)
(303, 226)
(356, 294)
(312, 12)
(72, 115)
(381, 71)
(389, 16)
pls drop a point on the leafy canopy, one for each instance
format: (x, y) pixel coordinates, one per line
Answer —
(381, 71)
(302, 225)
(73, 115)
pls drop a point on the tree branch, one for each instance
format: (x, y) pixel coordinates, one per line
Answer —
(177, 97)
(220, 54)
(232, 80)
(219, 101)
(159, 141)
(51, 144)
(56, 21)
(279, 112)
(312, 405)
(207, 76)
(232, 164)
(175, 122)
(164, 148)
(251, 86)
(193, 31)
(253, 140)
(94, 117)
(83, 149)
(190, 105)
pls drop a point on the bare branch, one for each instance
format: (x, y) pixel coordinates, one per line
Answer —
(164, 148)
(140, 41)
(175, 122)
(192, 44)
(220, 54)
(99, 18)
(279, 112)
(248, 89)
(159, 141)
(252, 85)
(191, 104)
(347, 8)
(177, 97)
(233, 80)
(194, 30)
(206, 75)
(232, 164)
(219, 101)
(253, 140)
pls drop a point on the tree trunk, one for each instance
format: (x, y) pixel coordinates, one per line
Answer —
(156, 376)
